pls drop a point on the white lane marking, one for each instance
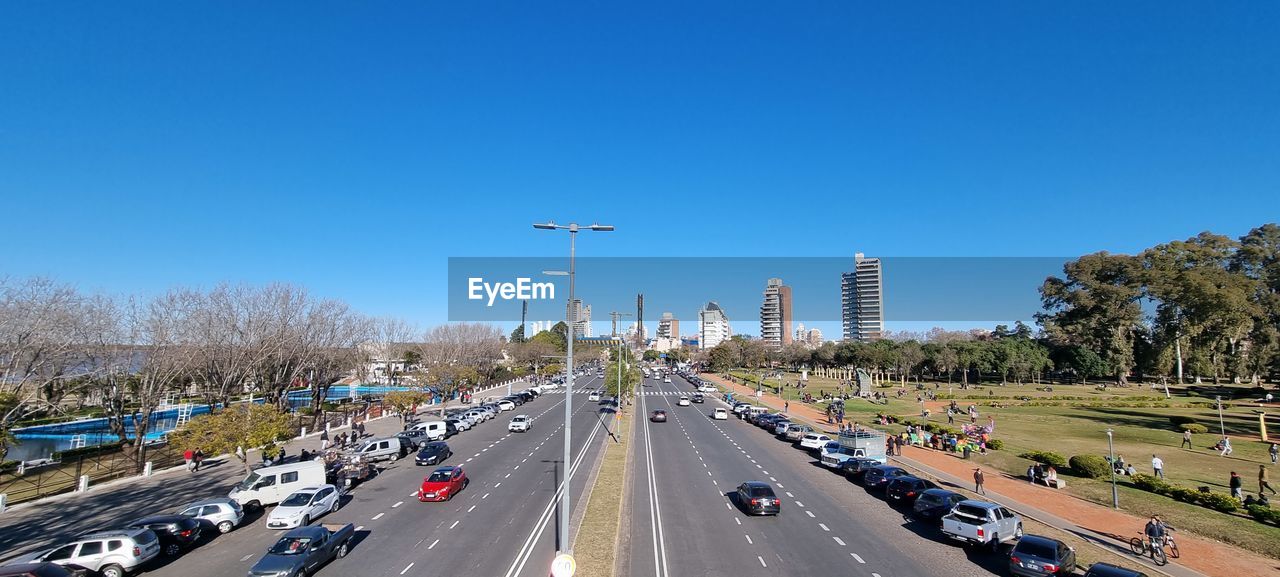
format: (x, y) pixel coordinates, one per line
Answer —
(378, 516)
(469, 460)
(875, 575)
(246, 557)
(790, 495)
(413, 494)
(486, 496)
(799, 504)
(359, 527)
(476, 455)
(508, 476)
(774, 480)
(498, 485)
(824, 527)
(749, 542)
(473, 508)
(762, 562)
(398, 503)
(838, 540)
(766, 472)
(517, 467)
(433, 545)
(735, 519)
(856, 557)
(406, 569)
(810, 513)
(455, 524)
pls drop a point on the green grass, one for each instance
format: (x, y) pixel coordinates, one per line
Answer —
(595, 547)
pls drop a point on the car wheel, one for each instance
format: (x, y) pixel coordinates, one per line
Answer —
(306, 520)
(225, 527)
(1017, 533)
(395, 457)
(172, 550)
(334, 508)
(112, 571)
(342, 550)
(995, 543)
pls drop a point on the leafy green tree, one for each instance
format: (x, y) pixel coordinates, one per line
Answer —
(1096, 305)
(243, 426)
(554, 339)
(403, 402)
(650, 355)
(517, 335)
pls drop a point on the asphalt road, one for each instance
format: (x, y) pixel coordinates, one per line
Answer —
(503, 524)
(683, 521)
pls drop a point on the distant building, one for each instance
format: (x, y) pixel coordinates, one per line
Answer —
(668, 327)
(800, 335)
(713, 326)
(862, 300)
(664, 344)
(582, 317)
(814, 338)
(775, 314)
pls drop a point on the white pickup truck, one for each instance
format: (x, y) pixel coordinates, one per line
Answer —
(982, 523)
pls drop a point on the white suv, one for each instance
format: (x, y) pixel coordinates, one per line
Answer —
(520, 424)
(111, 553)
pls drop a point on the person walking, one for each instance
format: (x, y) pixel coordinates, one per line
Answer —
(1235, 483)
(360, 428)
(978, 479)
(1275, 453)
(786, 407)
(1186, 440)
(189, 457)
(1263, 485)
(324, 440)
(1157, 465)
(951, 417)
(1226, 446)
(199, 457)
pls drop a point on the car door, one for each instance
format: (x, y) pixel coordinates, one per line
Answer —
(327, 497)
(90, 554)
(316, 554)
(459, 480)
(62, 555)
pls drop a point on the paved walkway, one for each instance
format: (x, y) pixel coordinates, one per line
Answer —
(1103, 526)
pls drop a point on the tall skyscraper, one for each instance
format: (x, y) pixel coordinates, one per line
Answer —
(668, 327)
(713, 326)
(862, 300)
(775, 314)
(582, 318)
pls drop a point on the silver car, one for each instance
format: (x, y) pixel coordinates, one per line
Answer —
(223, 513)
(109, 553)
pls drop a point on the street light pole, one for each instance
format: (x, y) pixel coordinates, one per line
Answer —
(565, 509)
(1221, 425)
(1115, 494)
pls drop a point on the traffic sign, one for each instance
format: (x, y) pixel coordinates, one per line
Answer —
(563, 566)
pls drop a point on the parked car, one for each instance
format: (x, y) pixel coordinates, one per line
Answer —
(666, 379)
(459, 424)
(720, 414)
(658, 416)
(442, 484)
(35, 570)
(1036, 556)
(434, 429)
(506, 405)
(388, 449)
(416, 437)
(699, 398)
(304, 550)
(224, 514)
(835, 455)
(303, 506)
(982, 523)
(795, 432)
(109, 553)
(758, 498)
(854, 468)
(933, 504)
(1109, 570)
(268, 485)
(176, 532)
(779, 426)
(683, 401)
(707, 388)
(877, 478)
(740, 408)
(520, 424)
(433, 453)
(904, 490)
(814, 441)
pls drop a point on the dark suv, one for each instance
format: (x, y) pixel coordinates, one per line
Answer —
(758, 498)
(1036, 556)
(877, 478)
(176, 532)
(934, 504)
(904, 490)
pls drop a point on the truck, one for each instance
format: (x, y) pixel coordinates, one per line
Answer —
(304, 550)
(982, 523)
(863, 443)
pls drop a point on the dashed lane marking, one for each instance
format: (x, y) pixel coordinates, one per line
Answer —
(455, 524)
(749, 542)
(473, 508)
(762, 564)
(840, 541)
(398, 503)
(406, 569)
(432, 545)
(246, 557)
(810, 513)
(799, 504)
(824, 527)
(856, 557)
(378, 516)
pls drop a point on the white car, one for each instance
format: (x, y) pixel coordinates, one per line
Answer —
(683, 402)
(666, 379)
(506, 405)
(459, 423)
(520, 424)
(814, 441)
(707, 389)
(721, 414)
(303, 506)
(476, 416)
(593, 396)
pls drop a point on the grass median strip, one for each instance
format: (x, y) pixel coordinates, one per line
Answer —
(595, 547)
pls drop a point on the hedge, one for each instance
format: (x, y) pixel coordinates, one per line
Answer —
(1216, 501)
(995, 444)
(1093, 466)
(1046, 458)
(1263, 514)
(1195, 428)
(1179, 420)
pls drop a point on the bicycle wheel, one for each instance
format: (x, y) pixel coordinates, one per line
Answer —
(1137, 546)
(1173, 550)
(1158, 555)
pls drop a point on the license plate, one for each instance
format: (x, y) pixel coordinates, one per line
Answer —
(430, 495)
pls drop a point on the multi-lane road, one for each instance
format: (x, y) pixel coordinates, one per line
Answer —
(684, 523)
(502, 525)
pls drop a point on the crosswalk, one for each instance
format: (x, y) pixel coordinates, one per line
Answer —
(645, 393)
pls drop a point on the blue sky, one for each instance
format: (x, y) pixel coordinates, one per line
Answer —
(353, 148)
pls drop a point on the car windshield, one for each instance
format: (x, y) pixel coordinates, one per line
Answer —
(761, 492)
(248, 481)
(297, 500)
(440, 476)
(1036, 548)
(929, 499)
(290, 546)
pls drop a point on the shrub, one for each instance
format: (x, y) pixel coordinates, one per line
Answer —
(1195, 428)
(1092, 466)
(1184, 494)
(995, 444)
(1263, 514)
(1180, 420)
(1046, 458)
(1150, 483)
(1219, 502)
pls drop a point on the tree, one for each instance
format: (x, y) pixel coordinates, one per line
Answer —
(517, 335)
(910, 359)
(650, 355)
(243, 426)
(1096, 305)
(404, 402)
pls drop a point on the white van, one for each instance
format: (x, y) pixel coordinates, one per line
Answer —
(270, 485)
(435, 430)
(751, 412)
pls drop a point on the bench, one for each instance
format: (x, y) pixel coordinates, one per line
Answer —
(1058, 484)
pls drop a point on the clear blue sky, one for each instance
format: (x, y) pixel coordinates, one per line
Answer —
(353, 147)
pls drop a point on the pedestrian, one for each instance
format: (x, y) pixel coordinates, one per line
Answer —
(324, 440)
(1157, 465)
(1051, 477)
(1263, 485)
(189, 457)
(1275, 453)
(360, 428)
(240, 453)
(1186, 440)
(199, 457)
(951, 417)
(978, 479)
(786, 407)
(1031, 473)
(1236, 483)
(1226, 446)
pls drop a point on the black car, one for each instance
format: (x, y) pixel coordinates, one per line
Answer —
(1109, 570)
(933, 504)
(698, 398)
(1036, 556)
(877, 478)
(433, 453)
(176, 532)
(515, 399)
(35, 570)
(758, 498)
(904, 490)
(854, 468)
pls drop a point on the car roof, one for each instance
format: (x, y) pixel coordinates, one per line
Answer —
(36, 569)
(1108, 570)
(1040, 540)
(435, 444)
(757, 484)
(941, 492)
(112, 533)
(203, 502)
(521, 417)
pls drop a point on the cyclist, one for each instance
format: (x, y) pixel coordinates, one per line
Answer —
(1155, 532)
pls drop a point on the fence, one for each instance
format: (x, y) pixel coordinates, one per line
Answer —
(100, 464)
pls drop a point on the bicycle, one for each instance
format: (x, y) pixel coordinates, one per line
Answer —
(1140, 546)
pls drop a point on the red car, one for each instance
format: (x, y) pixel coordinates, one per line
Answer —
(443, 484)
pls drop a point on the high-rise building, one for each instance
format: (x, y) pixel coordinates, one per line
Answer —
(862, 300)
(800, 335)
(775, 314)
(713, 326)
(814, 338)
(668, 327)
(582, 317)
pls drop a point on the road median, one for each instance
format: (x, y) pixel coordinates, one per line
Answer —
(597, 541)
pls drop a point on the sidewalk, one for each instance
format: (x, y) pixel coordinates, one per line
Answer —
(1107, 528)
